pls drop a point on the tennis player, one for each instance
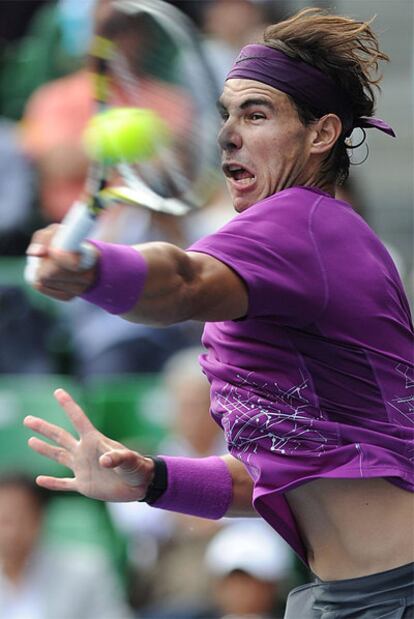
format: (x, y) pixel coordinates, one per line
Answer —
(308, 333)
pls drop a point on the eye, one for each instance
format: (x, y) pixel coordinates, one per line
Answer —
(257, 116)
(223, 115)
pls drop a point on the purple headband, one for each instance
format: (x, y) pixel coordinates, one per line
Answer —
(305, 83)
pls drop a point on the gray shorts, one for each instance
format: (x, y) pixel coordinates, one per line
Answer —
(388, 595)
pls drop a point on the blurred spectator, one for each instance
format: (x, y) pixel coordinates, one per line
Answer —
(250, 566)
(167, 549)
(25, 330)
(34, 53)
(52, 124)
(192, 8)
(37, 581)
(230, 25)
(16, 17)
(25, 333)
(17, 190)
(52, 128)
(57, 113)
(44, 41)
(193, 433)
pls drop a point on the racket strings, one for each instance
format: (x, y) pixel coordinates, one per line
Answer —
(168, 173)
(157, 63)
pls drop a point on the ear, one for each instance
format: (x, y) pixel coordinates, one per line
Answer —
(326, 131)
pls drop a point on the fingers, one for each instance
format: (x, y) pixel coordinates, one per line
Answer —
(78, 418)
(49, 430)
(77, 262)
(61, 288)
(40, 241)
(58, 454)
(65, 484)
(125, 458)
(136, 470)
(60, 274)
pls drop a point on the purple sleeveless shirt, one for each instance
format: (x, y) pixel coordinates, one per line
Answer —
(316, 381)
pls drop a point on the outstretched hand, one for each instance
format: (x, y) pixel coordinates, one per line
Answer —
(103, 469)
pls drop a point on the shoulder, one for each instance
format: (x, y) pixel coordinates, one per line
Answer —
(280, 220)
(285, 208)
(335, 221)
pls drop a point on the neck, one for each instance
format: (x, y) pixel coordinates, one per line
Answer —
(315, 181)
(326, 187)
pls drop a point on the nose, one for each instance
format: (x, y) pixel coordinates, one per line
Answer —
(228, 138)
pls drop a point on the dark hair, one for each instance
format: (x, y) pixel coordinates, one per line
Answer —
(345, 49)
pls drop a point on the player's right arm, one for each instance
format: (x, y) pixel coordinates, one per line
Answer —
(179, 286)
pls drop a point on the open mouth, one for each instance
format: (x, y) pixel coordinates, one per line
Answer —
(238, 173)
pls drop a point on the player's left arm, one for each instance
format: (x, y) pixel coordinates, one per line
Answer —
(179, 285)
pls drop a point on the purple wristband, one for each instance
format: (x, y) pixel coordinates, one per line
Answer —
(121, 274)
(198, 487)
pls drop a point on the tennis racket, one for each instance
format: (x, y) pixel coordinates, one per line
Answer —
(147, 54)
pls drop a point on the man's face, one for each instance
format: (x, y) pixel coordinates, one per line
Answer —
(265, 148)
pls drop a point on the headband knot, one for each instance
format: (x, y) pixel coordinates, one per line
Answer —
(302, 81)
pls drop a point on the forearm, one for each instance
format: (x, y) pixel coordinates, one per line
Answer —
(168, 295)
(210, 487)
(136, 286)
(242, 489)
(161, 284)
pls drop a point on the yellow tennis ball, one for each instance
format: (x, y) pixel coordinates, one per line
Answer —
(124, 134)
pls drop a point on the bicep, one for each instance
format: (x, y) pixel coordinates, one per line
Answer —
(221, 293)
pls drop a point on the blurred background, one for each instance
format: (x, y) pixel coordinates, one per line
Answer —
(65, 556)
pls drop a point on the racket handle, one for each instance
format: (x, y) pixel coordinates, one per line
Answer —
(75, 227)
